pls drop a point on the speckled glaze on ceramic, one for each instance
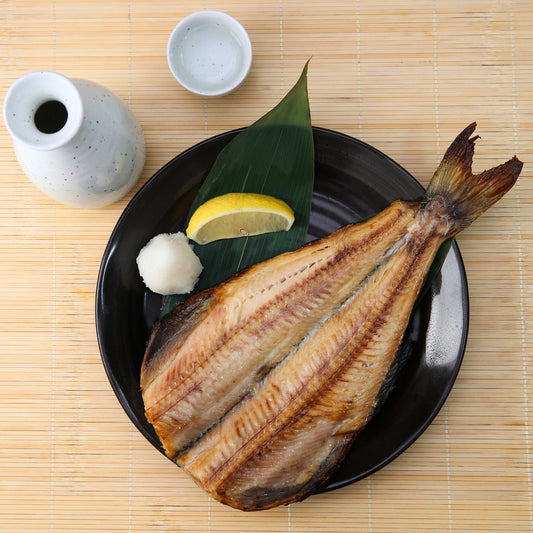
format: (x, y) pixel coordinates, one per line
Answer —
(92, 160)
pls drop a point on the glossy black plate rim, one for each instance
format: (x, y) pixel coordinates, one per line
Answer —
(340, 479)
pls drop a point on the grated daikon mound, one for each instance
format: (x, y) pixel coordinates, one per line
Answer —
(168, 264)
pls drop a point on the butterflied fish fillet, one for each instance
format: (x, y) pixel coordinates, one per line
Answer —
(258, 387)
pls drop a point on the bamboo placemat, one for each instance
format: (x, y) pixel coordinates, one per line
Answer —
(404, 77)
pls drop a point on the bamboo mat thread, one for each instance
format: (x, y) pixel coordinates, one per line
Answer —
(405, 78)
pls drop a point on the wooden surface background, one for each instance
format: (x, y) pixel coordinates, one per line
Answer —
(405, 77)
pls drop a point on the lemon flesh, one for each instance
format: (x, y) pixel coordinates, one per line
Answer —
(238, 215)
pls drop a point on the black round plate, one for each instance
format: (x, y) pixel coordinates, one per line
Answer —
(352, 181)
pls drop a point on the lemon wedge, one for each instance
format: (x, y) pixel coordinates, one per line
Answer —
(238, 215)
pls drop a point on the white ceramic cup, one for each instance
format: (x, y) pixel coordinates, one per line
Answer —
(209, 53)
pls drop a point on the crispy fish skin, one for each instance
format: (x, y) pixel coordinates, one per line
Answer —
(258, 387)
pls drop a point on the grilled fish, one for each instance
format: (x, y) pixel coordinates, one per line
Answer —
(258, 387)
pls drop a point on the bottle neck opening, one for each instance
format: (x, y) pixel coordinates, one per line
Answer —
(50, 116)
(43, 110)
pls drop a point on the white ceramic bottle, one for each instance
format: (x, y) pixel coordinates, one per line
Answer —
(76, 140)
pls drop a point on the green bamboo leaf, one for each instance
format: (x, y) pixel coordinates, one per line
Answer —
(274, 156)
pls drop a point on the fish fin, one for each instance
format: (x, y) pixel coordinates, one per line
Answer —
(465, 194)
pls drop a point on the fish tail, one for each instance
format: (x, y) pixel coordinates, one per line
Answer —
(465, 194)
